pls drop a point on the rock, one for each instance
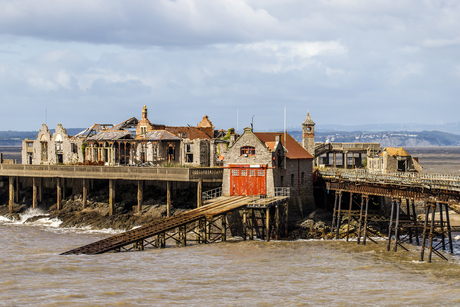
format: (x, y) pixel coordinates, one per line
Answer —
(307, 224)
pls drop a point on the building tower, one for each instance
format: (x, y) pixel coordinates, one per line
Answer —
(308, 135)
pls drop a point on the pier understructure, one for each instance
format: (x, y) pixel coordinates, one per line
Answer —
(399, 224)
(247, 217)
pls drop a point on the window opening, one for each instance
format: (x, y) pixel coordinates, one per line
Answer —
(248, 151)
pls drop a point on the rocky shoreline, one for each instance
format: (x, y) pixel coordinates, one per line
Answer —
(96, 214)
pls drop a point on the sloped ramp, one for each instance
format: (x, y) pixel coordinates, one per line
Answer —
(218, 206)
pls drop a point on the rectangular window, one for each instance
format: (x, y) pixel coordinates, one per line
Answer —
(235, 172)
(252, 172)
(244, 172)
(261, 172)
(302, 178)
(292, 180)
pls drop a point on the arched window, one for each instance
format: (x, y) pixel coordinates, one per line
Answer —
(248, 151)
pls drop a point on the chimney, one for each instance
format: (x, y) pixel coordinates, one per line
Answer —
(232, 140)
(278, 138)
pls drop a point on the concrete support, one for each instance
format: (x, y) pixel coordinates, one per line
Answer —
(168, 198)
(112, 184)
(10, 194)
(34, 193)
(85, 192)
(140, 195)
(59, 194)
(199, 192)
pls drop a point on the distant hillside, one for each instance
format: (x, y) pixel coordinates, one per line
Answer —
(393, 139)
(14, 138)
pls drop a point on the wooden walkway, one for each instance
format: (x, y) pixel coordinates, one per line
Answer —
(200, 221)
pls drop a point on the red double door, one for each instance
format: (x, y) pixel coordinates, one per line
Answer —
(247, 180)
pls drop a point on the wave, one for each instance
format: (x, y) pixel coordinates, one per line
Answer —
(52, 224)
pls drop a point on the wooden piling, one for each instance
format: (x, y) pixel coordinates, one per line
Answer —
(427, 210)
(34, 193)
(10, 194)
(365, 221)
(286, 209)
(430, 248)
(334, 213)
(395, 246)
(349, 215)
(168, 198)
(224, 227)
(360, 223)
(277, 222)
(449, 230)
(267, 223)
(339, 205)
(409, 231)
(59, 196)
(414, 219)
(112, 183)
(84, 184)
(244, 224)
(17, 190)
(199, 193)
(251, 224)
(390, 225)
(441, 220)
(140, 195)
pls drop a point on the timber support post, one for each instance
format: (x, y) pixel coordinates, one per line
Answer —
(17, 190)
(365, 220)
(277, 222)
(251, 224)
(199, 193)
(349, 215)
(390, 225)
(267, 223)
(168, 198)
(339, 217)
(112, 183)
(59, 194)
(245, 223)
(360, 223)
(140, 195)
(427, 211)
(398, 205)
(224, 227)
(449, 230)
(10, 193)
(34, 193)
(430, 247)
(84, 184)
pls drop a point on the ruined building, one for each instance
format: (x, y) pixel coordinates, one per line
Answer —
(131, 142)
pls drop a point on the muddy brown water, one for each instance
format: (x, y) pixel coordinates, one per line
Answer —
(250, 273)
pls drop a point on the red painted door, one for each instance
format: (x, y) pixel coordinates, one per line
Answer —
(246, 181)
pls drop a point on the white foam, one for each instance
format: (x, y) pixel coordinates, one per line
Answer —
(31, 212)
(4, 219)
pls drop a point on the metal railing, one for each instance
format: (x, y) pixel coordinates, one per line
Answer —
(428, 181)
(283, 191)
(211, 194)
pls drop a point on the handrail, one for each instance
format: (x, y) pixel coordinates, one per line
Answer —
(430, 181)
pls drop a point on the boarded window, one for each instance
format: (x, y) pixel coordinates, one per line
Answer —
(248, 151)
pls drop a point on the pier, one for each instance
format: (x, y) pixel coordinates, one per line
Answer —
(438, 193)
(85, 174)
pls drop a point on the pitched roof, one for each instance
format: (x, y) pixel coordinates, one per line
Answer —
(110, 135)
(160, 135)
(294, 149)
(392, 151)
(190, 132)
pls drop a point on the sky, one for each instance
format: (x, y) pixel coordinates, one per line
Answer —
(346, 62)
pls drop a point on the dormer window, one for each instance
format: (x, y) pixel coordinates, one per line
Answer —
(248, 151)
(143, 130)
